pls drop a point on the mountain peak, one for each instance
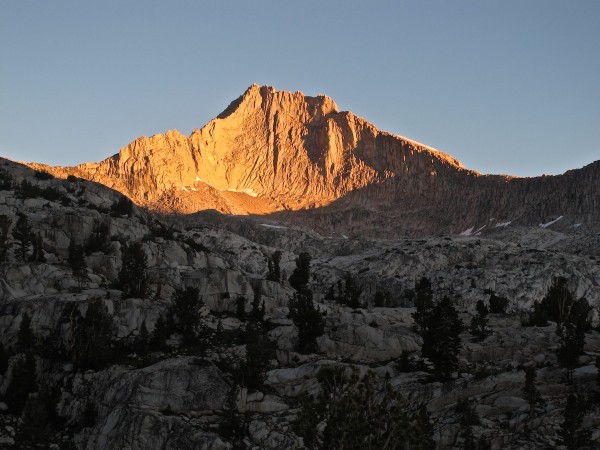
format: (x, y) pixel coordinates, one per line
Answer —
(267, 151)
(273, 151)
(266, 97)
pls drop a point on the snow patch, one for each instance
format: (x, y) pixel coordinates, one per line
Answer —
(467, 232)
(246, 191)
(503, 224)
(268, 225)
(472, 232)
(577, 225)
(546, 225)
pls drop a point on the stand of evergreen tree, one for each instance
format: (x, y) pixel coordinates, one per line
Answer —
(185, 313)
(308, 319)
(133, 279)
(349, 293)
(99, 240)
(558, 300)
(301, 274)
(5, 224)
(22, 235)
(90, 344)
(423, 304)
(441, 338)
(259, 352)
(571, 335)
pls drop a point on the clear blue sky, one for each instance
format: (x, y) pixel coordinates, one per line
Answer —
(506, 86)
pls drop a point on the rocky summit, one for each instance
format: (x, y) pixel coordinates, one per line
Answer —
(277, 153)
(291, 277)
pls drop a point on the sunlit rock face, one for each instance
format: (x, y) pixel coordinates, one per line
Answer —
(281, 152)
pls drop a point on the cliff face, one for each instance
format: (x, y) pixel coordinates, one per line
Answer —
(282, 152)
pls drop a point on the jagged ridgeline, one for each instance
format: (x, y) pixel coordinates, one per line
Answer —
(280, 152)
(126, 326)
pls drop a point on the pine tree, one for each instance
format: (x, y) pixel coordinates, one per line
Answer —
(143, 340)
(22, 235)
(90, 413)
(530, 392)
(273, 262)
(483, 444)
(558, 300)
(99, 240)
(257, 313)
(132, 278)
(423, 303)
(122, 207)
(3, 359)
(423, 422)
(571, 334)
(35, 429)
(5, 224)
(301, 274)
(25, 337)
(441, 339)
(259, 352)
(498, 304)
(23, 383)
(160, 334)
(468, 418)
(37, 243)
(92, 336)
(479, 322)
(573, 434)
(540, 315)
(186, 313)
(78, 263)
(308, 319)
(240, 308)
(351, 292)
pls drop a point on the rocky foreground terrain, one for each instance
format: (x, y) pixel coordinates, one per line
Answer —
(126, 329)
